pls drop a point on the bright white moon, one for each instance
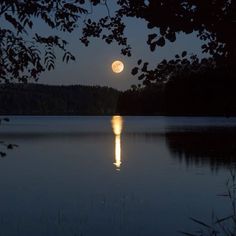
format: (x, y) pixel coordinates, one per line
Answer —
(117, 66)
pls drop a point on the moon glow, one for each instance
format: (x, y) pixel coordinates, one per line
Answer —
(117, 67)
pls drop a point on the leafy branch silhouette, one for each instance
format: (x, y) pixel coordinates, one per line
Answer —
(25, 55)
(2, 143)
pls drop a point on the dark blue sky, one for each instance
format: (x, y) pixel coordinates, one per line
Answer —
(93, 63)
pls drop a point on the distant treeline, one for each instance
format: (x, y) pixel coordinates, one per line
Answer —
(37, 99)
(208, 92)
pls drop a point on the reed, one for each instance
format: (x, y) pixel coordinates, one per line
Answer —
(220, 226)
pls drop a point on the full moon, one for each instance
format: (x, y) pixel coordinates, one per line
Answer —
(117, 66)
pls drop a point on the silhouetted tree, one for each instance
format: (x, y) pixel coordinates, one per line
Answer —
(183, 86)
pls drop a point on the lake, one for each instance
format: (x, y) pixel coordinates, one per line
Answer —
(113, 175)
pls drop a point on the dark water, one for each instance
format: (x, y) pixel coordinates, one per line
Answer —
(143, 176)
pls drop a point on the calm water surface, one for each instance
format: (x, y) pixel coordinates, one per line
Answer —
(113, 175)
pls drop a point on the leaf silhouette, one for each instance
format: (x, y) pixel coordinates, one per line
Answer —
(184, 54)
(135, 71)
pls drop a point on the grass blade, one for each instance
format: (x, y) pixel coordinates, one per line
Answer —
(200, 223)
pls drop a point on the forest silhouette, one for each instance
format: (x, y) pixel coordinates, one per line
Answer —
(192, 89)
(36, 99)
(184, 85)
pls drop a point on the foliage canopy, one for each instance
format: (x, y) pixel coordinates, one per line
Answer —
(25, 55)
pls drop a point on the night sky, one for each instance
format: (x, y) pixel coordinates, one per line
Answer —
(93, 63)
